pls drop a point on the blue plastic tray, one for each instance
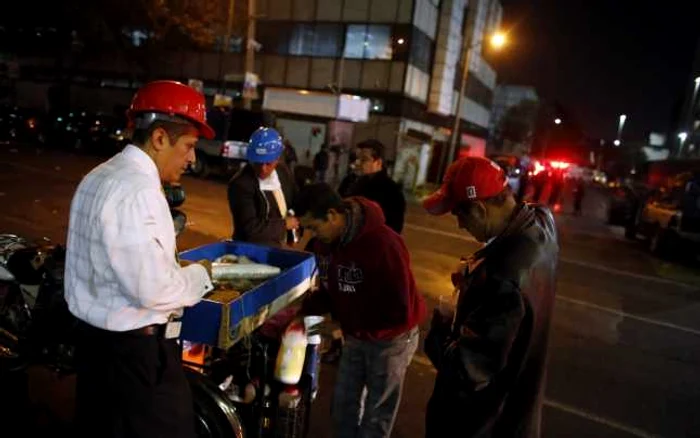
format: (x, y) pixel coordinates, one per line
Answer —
(202, 323)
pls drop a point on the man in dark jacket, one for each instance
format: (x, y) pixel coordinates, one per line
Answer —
(373, 295)
(490, 353)
(261, 193)
(375, 184)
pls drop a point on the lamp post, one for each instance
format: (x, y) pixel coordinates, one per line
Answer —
(620, 125)
(498, 41)
(682, 136)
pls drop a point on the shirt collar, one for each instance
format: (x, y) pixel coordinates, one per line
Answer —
(136, 155)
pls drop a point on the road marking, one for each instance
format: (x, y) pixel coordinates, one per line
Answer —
(467, 238)
(620, 272)
(632, 316)
(421, 360)
(633, 431)
(464, 237)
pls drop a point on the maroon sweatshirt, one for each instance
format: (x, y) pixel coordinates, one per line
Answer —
(366, 280)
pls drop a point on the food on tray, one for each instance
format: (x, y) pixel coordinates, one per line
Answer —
(239, 274)
(232, 258)
(223, 295)
(243, 285)
(227, 258)
(235, 271)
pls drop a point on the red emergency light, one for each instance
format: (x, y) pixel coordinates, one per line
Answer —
(560, 164)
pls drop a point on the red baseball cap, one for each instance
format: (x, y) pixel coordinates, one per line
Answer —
(467, 179)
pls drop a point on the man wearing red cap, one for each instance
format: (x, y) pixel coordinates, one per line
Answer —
(490, 352)
(122, 278)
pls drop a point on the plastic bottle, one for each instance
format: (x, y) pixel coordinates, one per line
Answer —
(291, 355)
(312, 365)
(289, 398)
(313, 362)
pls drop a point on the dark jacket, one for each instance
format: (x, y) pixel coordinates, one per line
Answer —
(491, 360)
(251, 211)
(372, 294)
(383, 190)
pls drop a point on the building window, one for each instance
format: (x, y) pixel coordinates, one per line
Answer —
(328, 40)
(421, 51)
(275, 37)
(301, 41)
(368, 42)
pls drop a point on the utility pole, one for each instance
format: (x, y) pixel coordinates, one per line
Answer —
(445, 158)
(249, 54)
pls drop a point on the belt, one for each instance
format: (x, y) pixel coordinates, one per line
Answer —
(149, 330)
(169, 330)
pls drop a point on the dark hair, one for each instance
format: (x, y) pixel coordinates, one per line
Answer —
(376, 146)
(140, 136)
(316, 200)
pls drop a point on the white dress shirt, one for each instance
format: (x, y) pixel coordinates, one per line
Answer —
(121, 267)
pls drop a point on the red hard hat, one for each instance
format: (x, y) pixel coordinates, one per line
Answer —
(173, 99)
(467, 179)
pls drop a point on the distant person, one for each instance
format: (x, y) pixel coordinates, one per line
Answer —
(539, 182)
(524, 184)
(350, 175)
(262, 192)
(579, 193)
(290, 155)
(321, 163)
(374, 183)
(490, 351)
(557, 184)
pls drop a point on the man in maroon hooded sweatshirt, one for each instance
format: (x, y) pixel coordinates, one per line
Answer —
(368, 287)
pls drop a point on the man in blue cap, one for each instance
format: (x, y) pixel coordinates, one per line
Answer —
(261, 193)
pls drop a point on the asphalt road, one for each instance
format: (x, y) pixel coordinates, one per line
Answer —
(625, 345)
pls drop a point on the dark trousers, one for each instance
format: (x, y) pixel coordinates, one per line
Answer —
(131, 386)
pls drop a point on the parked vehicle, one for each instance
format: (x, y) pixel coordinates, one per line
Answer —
(670, 218)
(226, 152)
(22, 126)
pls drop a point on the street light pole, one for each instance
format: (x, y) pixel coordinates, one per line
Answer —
(498, 40)
(620, 125)
(250, 52)
(458, 116)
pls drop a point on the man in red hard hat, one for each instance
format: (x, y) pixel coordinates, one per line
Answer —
(122, 278)
(490, 352)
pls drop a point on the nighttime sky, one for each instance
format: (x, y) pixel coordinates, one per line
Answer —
(601, 58)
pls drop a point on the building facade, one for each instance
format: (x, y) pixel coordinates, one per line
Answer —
(404, 56)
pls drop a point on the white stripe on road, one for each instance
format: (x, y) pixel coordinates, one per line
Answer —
(462, 236)
(633, 431)
(620, 272)
(632, 316)
(421, 360)
(628, 273)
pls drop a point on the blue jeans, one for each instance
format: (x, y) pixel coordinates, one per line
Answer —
(380, 368)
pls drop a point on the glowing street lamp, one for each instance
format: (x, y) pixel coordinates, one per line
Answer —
(498, 40)
(557, 121)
